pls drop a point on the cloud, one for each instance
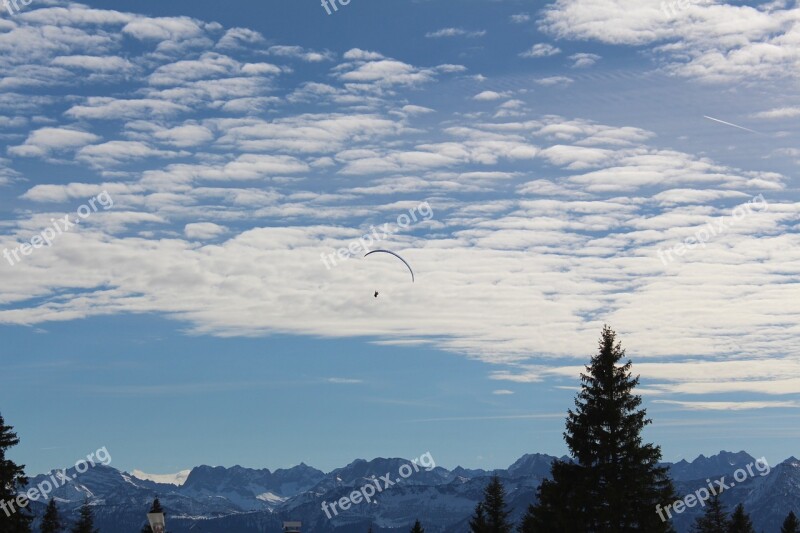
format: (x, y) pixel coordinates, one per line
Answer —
(108, 108)
(103, 64)
(165, 28)
(298, 52)
(345, 381)
(455, 32)
(778, 113)
(540, 50)
(231, 175)
(729, 406)
(185, 136)
(204, 230)
(554, 80)
(356, 54)
(520, 18)
(44, 141)
(489, 96)
(114, 153)
(715, 43)
(502, 392)
(583, 60)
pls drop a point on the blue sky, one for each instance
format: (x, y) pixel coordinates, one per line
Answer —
(558, 146)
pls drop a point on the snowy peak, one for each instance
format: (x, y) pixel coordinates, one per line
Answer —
(177, 479)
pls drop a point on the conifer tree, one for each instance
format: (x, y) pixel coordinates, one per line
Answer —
(614, 482)
(51, 523)
(477, 524)
(740, 521)
(714, 520)
(491, 515)
(85, 523)
(12, 479)
(417, 528)
(790, 525)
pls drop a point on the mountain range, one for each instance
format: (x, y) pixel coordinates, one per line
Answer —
(244, 500)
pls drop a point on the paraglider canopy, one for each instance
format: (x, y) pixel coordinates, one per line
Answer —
(397, 256)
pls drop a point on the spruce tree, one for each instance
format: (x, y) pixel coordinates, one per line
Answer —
(85, 523)
(477, 524)
(614, 482)
(51, 523)
(491, 515)
(714, 520)
(12, 479)
(528, 524)
(740, 521)
(790, 525)
(417, 528)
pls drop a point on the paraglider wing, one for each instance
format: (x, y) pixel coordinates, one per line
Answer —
(397, 256)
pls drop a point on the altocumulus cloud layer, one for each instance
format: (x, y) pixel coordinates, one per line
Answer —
(234, 162)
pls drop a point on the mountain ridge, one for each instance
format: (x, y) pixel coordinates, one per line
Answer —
(239, 499)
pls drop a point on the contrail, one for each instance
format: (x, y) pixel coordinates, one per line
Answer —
(730, 124)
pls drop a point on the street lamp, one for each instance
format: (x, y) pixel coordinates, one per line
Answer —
(292, 527)
(157, 523)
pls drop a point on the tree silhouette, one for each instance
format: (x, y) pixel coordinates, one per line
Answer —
(477, 524)
(614, 482)
(13, 519)
(714, 520)
(51, 523)
(85, 523)
(491, 515)
(417, 528)
(740, 521)
(790, 525)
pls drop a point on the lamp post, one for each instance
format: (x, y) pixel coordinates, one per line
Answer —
(157, 523)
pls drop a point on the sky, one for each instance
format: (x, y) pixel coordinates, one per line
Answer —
(188, 189)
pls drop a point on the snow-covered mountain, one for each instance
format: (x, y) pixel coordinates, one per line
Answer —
(242, 500)
(170, 479)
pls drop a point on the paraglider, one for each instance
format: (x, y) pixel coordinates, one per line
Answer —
(397, 256)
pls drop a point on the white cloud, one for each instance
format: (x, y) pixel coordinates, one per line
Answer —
(298, 52)
(554, 80)
(779, 113)
(488, 96)
(583, 60)
(44, 141)
(345, 381)
(729, 406)
(204, 230)
(540, 50)
(709, 41)
(455, 32)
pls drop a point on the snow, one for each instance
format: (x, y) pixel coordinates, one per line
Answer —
(170, 479)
